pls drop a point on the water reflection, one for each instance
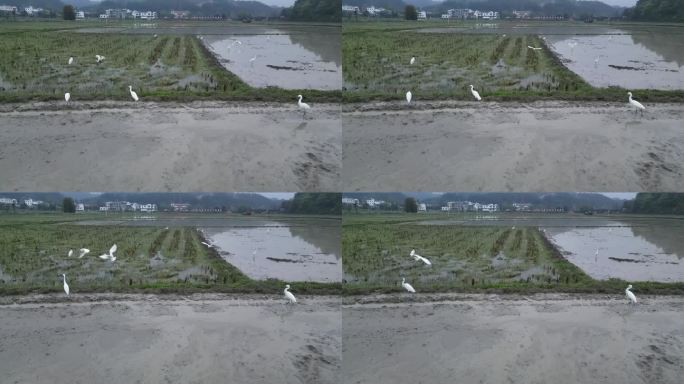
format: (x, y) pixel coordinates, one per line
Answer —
(290, 61)
(633, 251)
(290, 253)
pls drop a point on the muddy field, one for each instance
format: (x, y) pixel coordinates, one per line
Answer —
(542, 146)
(170, 339)
(199, 146)
(513, 339)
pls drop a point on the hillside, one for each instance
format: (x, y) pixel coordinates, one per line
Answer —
(657, 10)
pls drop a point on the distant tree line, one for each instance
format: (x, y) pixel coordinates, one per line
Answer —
(656, 203)
(314, 10)
(657, 10)
(314, 203)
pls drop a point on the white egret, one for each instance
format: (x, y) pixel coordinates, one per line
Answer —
(413, 60)
(71, 60)
(251, 61)
(155, 35)
(303, 106)
(533, 48)
(596, 60)
(407, 286)
(408, 97)
(66, 286)
(207, 244)
(133, 94)
(71, 253)
(418, 257)
(99, 58)
(596, 255)
(109, 256)
(82, 252)
(637, 105)
(67, 97)
(476, 95)
(630, 295)
(289, 296)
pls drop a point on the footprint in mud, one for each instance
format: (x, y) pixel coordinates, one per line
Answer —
(662, 360)
(313, 365)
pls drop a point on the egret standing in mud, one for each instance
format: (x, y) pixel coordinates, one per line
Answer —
(303, 106)
(533, 48)
(630, 295)
(408, 97)
(596, 255)
(289, 296)
(637, 105)
(67, 97)
(71, 60)
(407, 286)
(82, 252)
(66, 286)
(99, 59)
(71, 253)
(133, 94)
(413, 60)
(476, 94)
(418, 257)
(251, 61)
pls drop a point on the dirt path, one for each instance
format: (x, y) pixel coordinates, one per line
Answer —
(154, 147)
(489, 146)
(512, 339)
(162, 339)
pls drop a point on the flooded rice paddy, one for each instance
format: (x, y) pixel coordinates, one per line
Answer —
(291, 250)
(634, 57)
(290, 61)
(633, 249)
(289, 57)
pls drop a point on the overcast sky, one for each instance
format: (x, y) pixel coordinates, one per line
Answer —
(278, 3)
(621, 3)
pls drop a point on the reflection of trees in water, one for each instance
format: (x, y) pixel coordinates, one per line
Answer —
(328, 238)
(326, 45)
(670, 47)
(668, 238)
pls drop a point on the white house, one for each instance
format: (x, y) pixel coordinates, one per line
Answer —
(80, 15)
(522, 14)
(422, 15)
(351, 9)
(486, 207)
(104, 16)
(104, 208)
(8, 8)
(374, 203)
(32, 11)
(349, 200)
(32, 203)
(445, 209)
(7, 200)
(148, 208)
(80, 207)
(487, 15)
(149, 15)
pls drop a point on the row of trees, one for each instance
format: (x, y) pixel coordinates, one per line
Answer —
(657, 10)
(656, 203)
(314, 10)
(314, 203)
